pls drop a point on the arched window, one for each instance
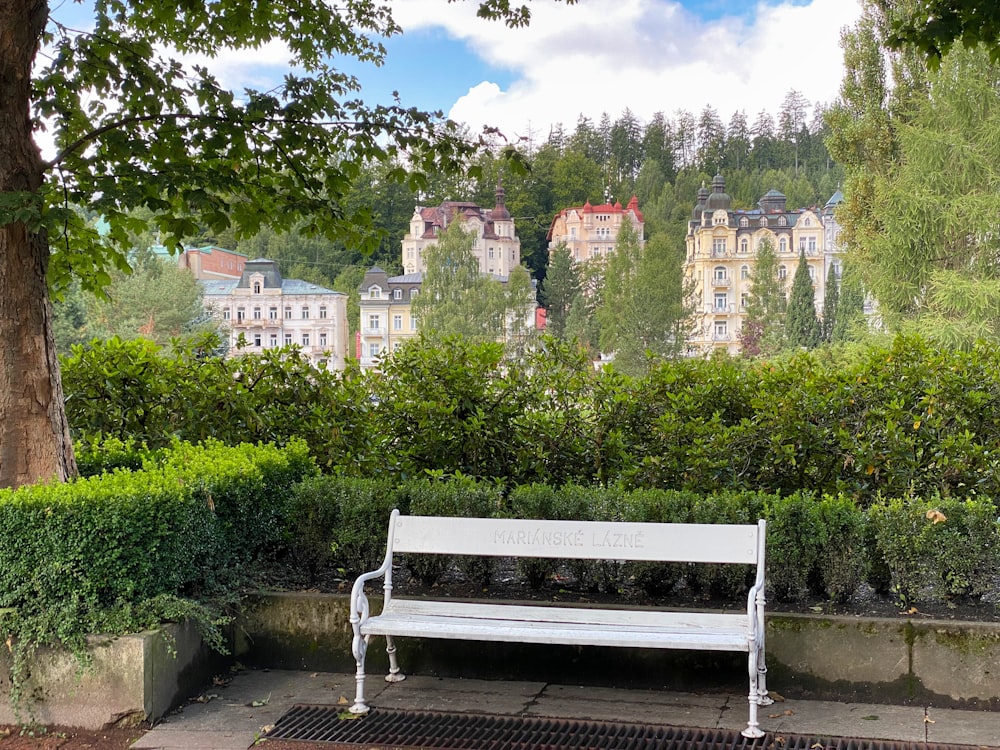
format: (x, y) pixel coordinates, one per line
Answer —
(744, 272)
(763, 221)
(744, 245)
(783, 245)
(744, 222)
(782, 222)
(782, 272)
(720, 273)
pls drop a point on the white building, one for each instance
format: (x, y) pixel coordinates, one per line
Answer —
(270, 312)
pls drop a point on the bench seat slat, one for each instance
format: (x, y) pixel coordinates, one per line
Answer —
(683, 619)
(475, 629)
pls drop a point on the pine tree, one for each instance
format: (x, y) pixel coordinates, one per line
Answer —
(850, 324)
(831, 300)
(802, 327)
(762, 332)
(561, 285)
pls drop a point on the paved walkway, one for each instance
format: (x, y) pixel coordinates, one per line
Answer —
(234, 716)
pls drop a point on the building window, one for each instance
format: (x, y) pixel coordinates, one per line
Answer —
(414, 292)
(373, 350)
(721, 329)
(807, 222)
(397, 294)
(288, 339)
(744, 299)
(812, 274)
(227, 314)
(288, 313)
(413, 322)
(256, 313)
(374, 292)
(272, 313)
(744, 272)
(322, 312)
(720, 273)
(744, 222)
(782, 222)
(256, 340)
(719, 246)
(490, 254)
(305, 312)
(721, 302)
(783, 245)
(305, 339)
(240, 313)
(256, 287)
(763, 221)
(396, 345)
(744, 246)
(322, 339)
(811, 244)
(274, 340)
(782, 272)
(397, 322)
(373, 322)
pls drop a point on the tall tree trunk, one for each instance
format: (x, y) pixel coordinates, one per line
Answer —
(34, 434)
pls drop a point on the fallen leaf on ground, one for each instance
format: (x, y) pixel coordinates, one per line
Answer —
(870, 717)
(928, 719)
(776, 697)
(342, 701)
(786, 712)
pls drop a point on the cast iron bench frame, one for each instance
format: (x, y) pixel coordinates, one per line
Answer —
(583, 540)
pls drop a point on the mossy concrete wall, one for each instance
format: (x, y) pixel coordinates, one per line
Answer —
(131, 678)
(839, 658)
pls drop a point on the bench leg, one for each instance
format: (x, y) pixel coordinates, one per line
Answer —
(394, 674)
(765, 699)
(753, 729)
(359, 647)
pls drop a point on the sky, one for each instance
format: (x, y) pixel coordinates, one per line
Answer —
(586, 59)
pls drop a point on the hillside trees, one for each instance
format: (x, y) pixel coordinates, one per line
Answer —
(134, 124)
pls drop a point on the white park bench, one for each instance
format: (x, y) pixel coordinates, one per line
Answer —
(546, 623)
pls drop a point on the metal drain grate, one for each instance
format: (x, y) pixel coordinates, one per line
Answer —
(402, 730)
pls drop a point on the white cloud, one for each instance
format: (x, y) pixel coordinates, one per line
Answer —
(648, 55)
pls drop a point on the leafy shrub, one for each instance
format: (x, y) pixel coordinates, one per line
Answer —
(113, 552)
(938, 548)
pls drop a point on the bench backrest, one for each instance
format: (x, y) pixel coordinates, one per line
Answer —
(582, 540)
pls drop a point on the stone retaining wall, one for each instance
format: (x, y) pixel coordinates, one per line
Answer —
(944, 663)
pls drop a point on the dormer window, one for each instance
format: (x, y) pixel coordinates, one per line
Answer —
(763, 221)
(256, 287)
(744, 222)
(374, 292)
(397, 294)
(782, 222)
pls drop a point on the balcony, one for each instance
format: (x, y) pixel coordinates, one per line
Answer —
(376, 331)
(715, 309)
(723, 281)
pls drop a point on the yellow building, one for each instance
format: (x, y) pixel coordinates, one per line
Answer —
(722, 246)
(591, 231)
(386, 317)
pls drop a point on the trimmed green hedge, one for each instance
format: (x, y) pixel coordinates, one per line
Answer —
(818, 545)
(122, 551)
